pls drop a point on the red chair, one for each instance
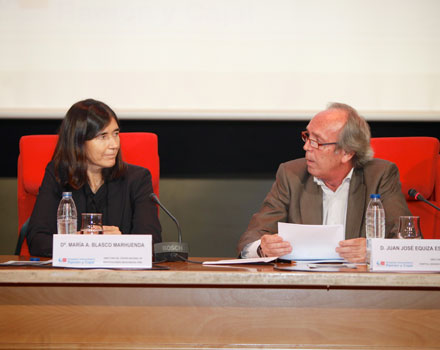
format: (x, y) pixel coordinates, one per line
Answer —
(419, 164)
(139, 148)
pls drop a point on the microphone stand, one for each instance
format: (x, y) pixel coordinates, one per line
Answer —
(170, 251)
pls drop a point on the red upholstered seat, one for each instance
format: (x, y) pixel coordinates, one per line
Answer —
(419, 164)
(139, 148)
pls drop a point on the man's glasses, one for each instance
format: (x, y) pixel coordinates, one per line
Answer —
(305, 136)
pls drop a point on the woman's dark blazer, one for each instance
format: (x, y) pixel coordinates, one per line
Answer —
(129, 208)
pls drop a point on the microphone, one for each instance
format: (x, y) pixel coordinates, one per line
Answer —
(413, 193)
(170, 251)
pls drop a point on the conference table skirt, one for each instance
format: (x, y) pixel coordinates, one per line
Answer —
(191, 306)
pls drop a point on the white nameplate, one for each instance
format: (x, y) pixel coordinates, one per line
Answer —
(102, 251)
(405, 255)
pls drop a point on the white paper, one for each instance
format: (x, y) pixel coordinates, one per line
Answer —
(26, 263)
(311, 242)
(241, 261)
(317, 267)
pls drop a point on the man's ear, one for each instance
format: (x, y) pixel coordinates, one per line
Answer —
(347, 156)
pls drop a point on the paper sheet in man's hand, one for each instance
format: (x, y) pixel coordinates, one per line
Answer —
(311, 242)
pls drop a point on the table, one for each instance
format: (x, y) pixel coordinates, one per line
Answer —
(192, 306)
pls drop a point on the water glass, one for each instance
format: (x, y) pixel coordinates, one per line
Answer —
(409, 227)
(91, 223)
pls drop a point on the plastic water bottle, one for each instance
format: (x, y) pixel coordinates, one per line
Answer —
(375, 221)
(66, 215)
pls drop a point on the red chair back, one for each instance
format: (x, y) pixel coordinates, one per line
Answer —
(138, 148)
(418, 161)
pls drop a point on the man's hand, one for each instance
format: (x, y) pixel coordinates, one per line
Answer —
(111, 230)
(274, 245)
(353, 250)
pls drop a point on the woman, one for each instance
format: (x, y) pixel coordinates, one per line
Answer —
(87, 162)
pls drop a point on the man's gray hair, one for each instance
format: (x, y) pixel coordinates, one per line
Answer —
(355, 135)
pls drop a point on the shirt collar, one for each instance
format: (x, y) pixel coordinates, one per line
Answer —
(346, 179)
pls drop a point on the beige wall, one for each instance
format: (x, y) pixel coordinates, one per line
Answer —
(213, 213)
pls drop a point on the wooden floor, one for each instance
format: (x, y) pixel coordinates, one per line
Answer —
(174, 315)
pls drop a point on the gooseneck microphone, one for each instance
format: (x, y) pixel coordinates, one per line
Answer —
(413, 193)
(170, 251)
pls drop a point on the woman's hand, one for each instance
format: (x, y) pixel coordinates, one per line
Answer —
(111, 230)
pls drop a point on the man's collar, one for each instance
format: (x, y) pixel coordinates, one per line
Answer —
(346, 179)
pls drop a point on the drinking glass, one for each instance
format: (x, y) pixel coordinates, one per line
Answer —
(91, 223)
(409, 227)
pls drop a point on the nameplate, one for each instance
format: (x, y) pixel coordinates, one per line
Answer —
(102, 251)
(405, 255)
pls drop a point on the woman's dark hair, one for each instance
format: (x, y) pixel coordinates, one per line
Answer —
(83, 121)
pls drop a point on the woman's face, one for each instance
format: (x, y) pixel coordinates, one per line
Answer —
(101, 151)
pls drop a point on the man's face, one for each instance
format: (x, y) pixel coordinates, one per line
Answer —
(325, 162)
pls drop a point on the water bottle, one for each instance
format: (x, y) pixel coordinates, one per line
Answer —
(66, 215)
(375, 221)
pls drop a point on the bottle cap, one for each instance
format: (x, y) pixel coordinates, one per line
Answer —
(374, 195)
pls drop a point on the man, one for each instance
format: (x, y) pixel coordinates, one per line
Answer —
(331, 185)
